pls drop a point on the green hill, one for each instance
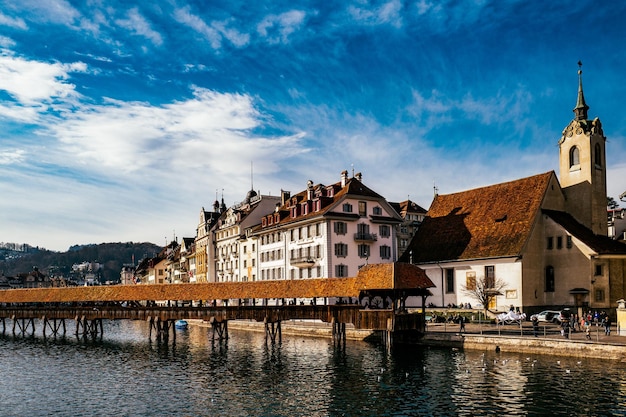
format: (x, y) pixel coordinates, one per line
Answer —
(112, 256)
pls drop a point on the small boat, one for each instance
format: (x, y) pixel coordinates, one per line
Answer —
(181, 324)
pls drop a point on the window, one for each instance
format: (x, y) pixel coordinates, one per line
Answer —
(599, 295)
(362, 208)
(470, 280)
(347, 208)
(449, 280)
(490, 276)
(341, 249)
(597, 155)
(384, 230)
(364, 251)
(598, 271)
(341, 228)
(559, 242)
(550, 243)
(549, 279)
(341, 270)
(574, 156)
(568, 241)
(377, 211)
(385, 252)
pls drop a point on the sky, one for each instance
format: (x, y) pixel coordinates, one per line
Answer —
(121, 120)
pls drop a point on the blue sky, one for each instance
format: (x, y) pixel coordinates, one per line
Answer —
(120, 120)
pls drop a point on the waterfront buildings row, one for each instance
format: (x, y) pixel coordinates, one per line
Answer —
(324, 231)
(543, 241)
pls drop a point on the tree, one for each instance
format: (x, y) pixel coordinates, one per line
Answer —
(611, 203)
(484, 290)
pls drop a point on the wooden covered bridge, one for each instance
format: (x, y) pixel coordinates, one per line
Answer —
(374, 299)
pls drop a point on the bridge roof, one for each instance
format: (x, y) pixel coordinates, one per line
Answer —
(383, 277)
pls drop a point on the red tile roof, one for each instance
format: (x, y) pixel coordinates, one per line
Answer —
(485, 222)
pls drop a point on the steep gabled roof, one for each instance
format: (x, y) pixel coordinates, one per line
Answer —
(353, 187)
(602, 245)
(487, 222)
(407, 206)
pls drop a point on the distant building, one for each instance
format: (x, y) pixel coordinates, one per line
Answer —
(412, 216)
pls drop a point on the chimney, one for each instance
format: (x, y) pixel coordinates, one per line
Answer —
(344, 178)
(358, 176)
(284, 196)
(309, 190)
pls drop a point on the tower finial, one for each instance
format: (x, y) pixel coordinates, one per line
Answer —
(581, 107)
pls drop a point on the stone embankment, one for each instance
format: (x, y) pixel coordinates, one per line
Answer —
(476, 337)
(549, 340)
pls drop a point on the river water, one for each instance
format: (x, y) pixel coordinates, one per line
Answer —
(125, 374)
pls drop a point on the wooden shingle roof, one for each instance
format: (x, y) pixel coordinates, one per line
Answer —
(388, 276)
(492, 221)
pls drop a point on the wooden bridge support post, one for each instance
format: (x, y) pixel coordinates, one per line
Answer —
(86, 327)
(338, 331)
(161, 328)
(273, 329)
(4, 326)
(388, 334)
(23, 325)
(220, 328)
(55, 326)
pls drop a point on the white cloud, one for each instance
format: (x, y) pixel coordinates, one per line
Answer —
(53, 11)
(278, 28)
(214, 32)
(14, 22)
(185, 17)
(389, 13)
(138, 24)
(11, 156)
(36, 86)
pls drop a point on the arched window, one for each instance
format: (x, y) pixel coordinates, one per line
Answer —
(574, 156)
(597, 155)
(549, 284)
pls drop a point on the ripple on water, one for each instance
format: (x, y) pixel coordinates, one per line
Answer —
(126, 375)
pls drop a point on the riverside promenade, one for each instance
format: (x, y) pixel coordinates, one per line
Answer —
(516, 338)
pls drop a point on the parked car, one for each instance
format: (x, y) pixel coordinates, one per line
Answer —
(550, 316)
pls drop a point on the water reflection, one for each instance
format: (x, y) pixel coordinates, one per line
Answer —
(125, 374)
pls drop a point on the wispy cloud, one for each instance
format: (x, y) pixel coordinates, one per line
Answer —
(215, 32)
(278, 28)
(388, 13)
(138, 24)
(14, 22)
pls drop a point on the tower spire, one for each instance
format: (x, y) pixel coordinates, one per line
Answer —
(581, 107)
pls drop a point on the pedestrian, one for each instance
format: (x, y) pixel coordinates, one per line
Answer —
(587, 329)
(565, 329)
(607, 325)
(462, 324)
(535, 326)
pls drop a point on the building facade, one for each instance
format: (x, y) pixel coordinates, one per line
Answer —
(544, 240)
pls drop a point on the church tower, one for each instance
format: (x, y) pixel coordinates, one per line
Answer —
(582, 166)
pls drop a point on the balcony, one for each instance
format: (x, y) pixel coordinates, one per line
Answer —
(302, 261)
(365, 237)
